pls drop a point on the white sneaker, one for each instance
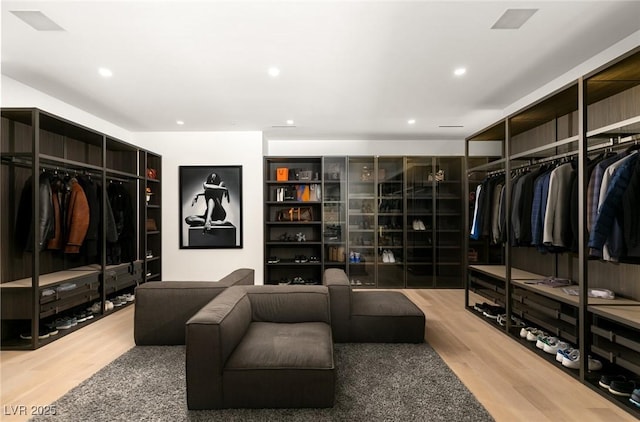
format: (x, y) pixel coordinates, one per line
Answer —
(540, 341)
(572, 360)
(416, 226)
(391, 258)
(421, 225)
(554, 344)
(532, 335)
(385, 257)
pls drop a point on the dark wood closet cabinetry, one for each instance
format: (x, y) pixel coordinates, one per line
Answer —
(75, 228)
(572, 137)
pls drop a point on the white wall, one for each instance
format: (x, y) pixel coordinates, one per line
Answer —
(365, 147)
(209, 148)
(16, 94)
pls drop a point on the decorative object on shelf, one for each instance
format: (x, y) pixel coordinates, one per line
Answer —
(152, 173)
(211, 200)
(148, 194)
(305, 175)
(366, 175)
(296, 214)
(473, 255)
(151, 225)
(334, 171)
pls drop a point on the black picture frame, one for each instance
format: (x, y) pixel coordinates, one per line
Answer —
(210, 207)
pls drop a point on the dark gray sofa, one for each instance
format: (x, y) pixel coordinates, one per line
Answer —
(261, 347)
(162, 308)
(366, 316)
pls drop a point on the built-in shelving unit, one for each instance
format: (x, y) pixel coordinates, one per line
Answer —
(84, 220)
(389, 222)
(574, 127)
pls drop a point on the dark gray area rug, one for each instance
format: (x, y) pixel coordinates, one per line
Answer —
(390, 382)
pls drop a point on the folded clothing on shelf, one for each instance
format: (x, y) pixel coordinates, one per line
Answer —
(65, 287)
(595, 292)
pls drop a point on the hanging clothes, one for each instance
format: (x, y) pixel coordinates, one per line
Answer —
(77, 219)
(45, 221)
(557, 204)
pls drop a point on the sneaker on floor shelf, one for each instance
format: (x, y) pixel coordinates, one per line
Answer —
(572, 361)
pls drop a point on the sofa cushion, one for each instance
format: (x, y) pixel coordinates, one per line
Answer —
(385, 317)
(268, 345)
(281, 365)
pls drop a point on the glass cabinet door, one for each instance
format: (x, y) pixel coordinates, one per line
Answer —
(335, 213)
(390, 207)
(362, 205)
(448, 225)
(419, 222)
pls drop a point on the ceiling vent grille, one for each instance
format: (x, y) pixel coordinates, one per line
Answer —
(514, 18)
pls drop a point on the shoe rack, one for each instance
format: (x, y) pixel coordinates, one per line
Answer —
(389, 222)
(595, 115)
(54, 292)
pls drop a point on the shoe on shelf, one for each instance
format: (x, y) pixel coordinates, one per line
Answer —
(605, 380)
(541, 341)
(392, 259)
(421, 225)
(43, 333)
(415, 225)
(553, 344)
(622, 388)
(108, 305)
(493, 311)
(635, 397)
(532, 335)
(515, 322)
(572, 361)
(524, 331)
(273, 260)
(480, 307)
(385, 257)
(51, 327)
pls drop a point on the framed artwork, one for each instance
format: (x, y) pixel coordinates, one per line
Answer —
(210, 207)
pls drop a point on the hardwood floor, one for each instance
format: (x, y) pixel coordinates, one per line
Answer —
(510, 381)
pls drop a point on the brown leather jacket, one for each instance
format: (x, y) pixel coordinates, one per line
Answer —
(77, 217)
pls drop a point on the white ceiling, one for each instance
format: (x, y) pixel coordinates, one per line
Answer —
(349, 69)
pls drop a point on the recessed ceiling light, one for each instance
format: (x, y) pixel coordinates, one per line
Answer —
(180, 122)
(460, 71)
(105, 73)
(37, 20)
(411, 121)
(273, 71)
(289, 122)
(513, 18)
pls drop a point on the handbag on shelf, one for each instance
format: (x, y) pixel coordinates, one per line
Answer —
(152, 173)
(282, 174)
(151, 225)
(295, 214)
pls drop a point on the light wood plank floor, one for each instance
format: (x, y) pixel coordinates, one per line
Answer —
(510, 381)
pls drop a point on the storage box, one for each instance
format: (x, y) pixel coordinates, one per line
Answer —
(282, 174)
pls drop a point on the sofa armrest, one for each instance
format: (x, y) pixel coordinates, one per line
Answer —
(239, 277)
(340, 293)
(211, 336)
(162, 308)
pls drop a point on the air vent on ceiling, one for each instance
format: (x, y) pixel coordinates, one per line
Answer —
(446, 126)
(283, 126)
(513, 18)
(37, 20)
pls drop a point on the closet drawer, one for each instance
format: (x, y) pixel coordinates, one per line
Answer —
(61, 305)
(119, 277)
